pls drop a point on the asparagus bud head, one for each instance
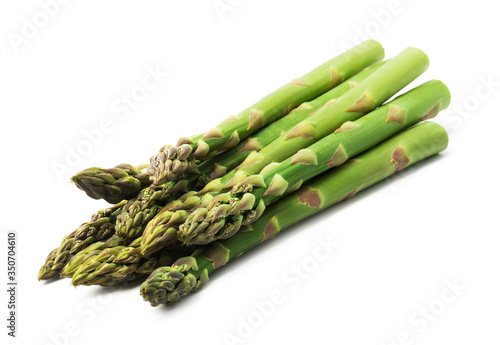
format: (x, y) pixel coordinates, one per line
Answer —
(171, 163)
(167, 285)
(113, 185)
(221, 219)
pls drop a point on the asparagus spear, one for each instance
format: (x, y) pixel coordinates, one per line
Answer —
(46, 272)
(122, 182)
(230, 159)
(167, 285)
(100, 228)
(247, 199)
(362, 98)
(86, 254)
(139, 211)
(117, 264)
(102, 267)
(173, 161)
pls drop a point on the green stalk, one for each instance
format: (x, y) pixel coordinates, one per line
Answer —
(230, 159)
(139, 211)
(173, 161)
(248, 198)
(158, 233)
(122, 182)
(167, 285)
(362, 98)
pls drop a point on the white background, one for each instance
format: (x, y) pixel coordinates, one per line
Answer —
(399, 242)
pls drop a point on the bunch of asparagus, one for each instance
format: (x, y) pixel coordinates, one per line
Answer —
(312, 143)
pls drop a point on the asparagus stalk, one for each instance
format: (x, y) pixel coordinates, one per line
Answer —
(248, 198)
(122, 182)
(173, 161)
(100, 228)
(167, 285)
(361, 99)
(230, 159)
(139, 211)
